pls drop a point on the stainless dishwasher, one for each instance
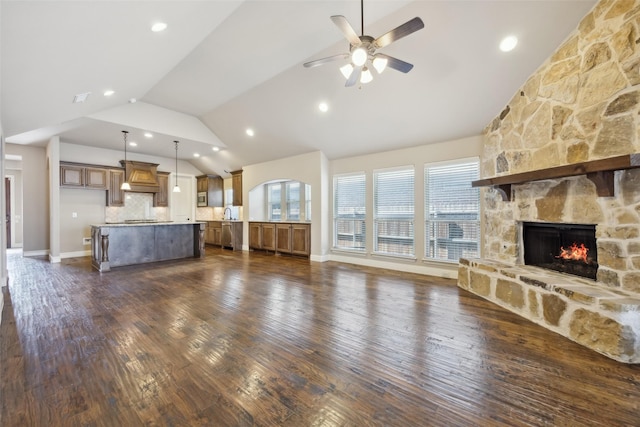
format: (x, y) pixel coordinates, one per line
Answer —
(227, 241)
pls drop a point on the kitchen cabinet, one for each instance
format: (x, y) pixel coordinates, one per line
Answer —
(262, 235)
(213, 235)
(255, 235)
(293, 239)
(83, 176)
(284, 238)
(96, 178)
(232, 235)
(300, 239)
(161, 198)
(227, 234)
(71, 175)
(213, 186)
(201, 183)
(115, 196)
(236, 185)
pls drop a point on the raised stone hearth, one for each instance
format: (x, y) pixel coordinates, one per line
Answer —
(581, 105)
(605, 320)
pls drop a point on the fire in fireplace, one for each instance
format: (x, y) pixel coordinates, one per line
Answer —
(567, 248)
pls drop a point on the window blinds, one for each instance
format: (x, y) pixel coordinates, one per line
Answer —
(452, 211)
(393, 206)
(349, 210)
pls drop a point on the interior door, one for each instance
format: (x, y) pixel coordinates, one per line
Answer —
(7, 193)
(183, 203)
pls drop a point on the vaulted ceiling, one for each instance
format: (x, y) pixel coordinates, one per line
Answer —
(224, 66)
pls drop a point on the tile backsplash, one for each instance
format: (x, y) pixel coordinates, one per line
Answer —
(136, 206)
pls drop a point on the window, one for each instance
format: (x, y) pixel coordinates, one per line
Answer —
(349, 209)
(274, 201)
(393, 209)
(307, 201)
(452, 211)
(293, 200)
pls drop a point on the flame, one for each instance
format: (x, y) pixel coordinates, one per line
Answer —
(574, 253)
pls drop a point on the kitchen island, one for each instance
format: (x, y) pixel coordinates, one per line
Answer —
(115, 245)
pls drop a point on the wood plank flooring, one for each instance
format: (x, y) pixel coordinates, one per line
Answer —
(253, 339)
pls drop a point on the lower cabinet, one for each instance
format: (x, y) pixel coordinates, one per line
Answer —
(262, 235)
(284, 238)
(213, 233)
(227, 234)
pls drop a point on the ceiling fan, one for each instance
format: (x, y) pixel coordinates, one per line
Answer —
(362, 50)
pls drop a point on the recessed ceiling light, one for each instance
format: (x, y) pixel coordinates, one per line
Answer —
(158, 26)
(148, 135)
(216, 149)
(196, 154)
(133, 144)
(323, 106)
(108, 92)
(508, 43)
(250, 132)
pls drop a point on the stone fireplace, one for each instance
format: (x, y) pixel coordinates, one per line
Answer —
(579, 109)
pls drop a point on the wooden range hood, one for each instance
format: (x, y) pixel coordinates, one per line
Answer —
(141, 176)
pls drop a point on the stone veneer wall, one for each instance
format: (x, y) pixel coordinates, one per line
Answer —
(582, 104)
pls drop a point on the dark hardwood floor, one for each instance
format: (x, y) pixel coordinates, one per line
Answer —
(241, 339)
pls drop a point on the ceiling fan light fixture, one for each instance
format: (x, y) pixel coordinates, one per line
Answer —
(346, 70)
(380, 64)
(359, 56)
(366, 76)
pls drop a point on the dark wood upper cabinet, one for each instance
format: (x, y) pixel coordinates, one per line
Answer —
(236, 184)
(115, 196)
(71, 175)
(213, 185)
(161, 198)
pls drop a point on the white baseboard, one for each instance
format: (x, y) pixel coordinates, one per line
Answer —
(44, 252)
(416, 267)
(75, 254)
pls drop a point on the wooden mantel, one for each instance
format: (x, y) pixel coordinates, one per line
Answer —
(600, 172)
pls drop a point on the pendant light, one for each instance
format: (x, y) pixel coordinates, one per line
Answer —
(176, 189)
(125, 185)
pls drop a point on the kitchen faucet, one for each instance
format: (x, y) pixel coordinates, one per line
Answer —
(225, 213)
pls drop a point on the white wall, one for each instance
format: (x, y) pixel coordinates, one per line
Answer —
(416, 157)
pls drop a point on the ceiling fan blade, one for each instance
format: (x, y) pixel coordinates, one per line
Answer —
(354, 77)
(322, 61)
(397, 33)
(395, 63)
(346, 28)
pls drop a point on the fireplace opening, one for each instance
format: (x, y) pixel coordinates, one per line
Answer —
(567, 248)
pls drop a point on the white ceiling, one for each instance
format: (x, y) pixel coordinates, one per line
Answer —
(225, 65)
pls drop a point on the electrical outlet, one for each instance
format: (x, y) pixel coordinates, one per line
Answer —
(86, 240)
(74, 214)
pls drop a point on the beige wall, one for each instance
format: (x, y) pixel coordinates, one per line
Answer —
(312, 169)
(35, 218)
(13, 169)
